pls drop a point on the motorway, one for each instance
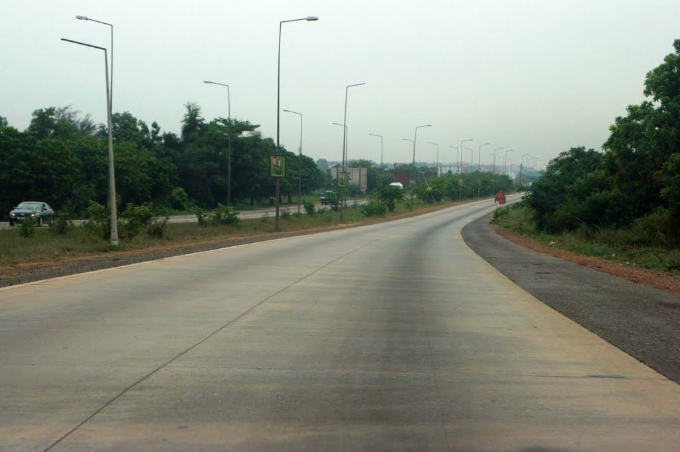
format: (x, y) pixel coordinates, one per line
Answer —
(393, 336)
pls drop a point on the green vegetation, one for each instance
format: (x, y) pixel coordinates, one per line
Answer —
(632, 191)
(634, 245)
(62, 159)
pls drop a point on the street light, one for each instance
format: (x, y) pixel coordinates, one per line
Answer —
(112, 178)
(520, 167)
(505, 171)
(494, 158)
(228, 139)
(278, 109)
(110, 25)
(344, 147)
(436, 144)
(381, 148)
(479, 155)
(461, 155)
(299, 159)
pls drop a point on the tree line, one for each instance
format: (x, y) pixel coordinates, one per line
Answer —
(634, 183)
(62, 159)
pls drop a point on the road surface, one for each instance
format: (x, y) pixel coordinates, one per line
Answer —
(394, 336)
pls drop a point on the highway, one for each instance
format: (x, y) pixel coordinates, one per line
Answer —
(388, 337)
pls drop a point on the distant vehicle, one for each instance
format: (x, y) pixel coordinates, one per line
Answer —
(397, 184)
(327, 197)
(40, 212)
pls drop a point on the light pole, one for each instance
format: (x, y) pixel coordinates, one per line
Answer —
(278, 110)
(437, 145)
(111, 82)
(479, 155)
(456, 147)
(228, 139)
(299, 159)
(112, 178)
(381, 149)
(520, 168)
(460, 170)
(505, 170)
(344, 148)
(494, 158)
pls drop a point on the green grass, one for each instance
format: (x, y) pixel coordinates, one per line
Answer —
(45, 246)
(615, 245)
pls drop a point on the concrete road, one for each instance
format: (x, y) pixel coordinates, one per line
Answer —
(388, 337)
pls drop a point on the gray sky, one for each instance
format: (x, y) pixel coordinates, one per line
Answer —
(537, 76)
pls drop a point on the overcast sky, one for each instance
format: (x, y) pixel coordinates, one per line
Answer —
(537, 76)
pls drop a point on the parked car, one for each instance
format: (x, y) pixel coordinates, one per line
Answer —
(327, 197)
(40, 212)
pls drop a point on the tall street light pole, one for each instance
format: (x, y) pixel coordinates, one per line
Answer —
(278, 111)
(111, 80)
(471, 155)
(479, 155)
(228, 139)
(520, 168)
(437, 145)
(460, 170)
(344, 147)
(112, 179)
(381, 149)
(505, 157)
(299, 159)
(415, 140)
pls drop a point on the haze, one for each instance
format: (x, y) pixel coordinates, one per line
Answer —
(535, 76)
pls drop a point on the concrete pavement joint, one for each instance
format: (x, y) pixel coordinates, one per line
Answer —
(162, 366)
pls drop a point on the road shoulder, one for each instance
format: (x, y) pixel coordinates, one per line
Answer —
(642, 321)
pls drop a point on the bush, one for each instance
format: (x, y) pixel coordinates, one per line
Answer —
(285, 213)
(390, 195)
(62, 224)
(224, 215)
(156, 227)
(179, 199)
(310, 208)
(98, 221)
(27, 227)
(200, 216)
(374, 208)
(138, 218)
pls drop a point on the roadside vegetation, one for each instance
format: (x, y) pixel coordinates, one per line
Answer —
(623, 204)
(140, 228)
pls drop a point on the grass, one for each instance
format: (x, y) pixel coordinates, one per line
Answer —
(45, 246)
(615, 245)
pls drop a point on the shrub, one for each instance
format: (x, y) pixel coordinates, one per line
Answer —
(98, 222)
(285, 213)
(374, 208)
(390, 195)
(138, 218)
(179, 199)
(27, 227)
(310, 208)
(156, 227)
(62, 223)
(200, 216)
(224, 215)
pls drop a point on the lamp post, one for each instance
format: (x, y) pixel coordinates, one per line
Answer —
(112, 179)
(278, 110)
(520, 168)
(111, 80)
(381, 149)
(460, 170)
(504, 160)
(494, 158)
(437, 145)
(228, 139)
(479, 155)
(344, 148)
(299, 159)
